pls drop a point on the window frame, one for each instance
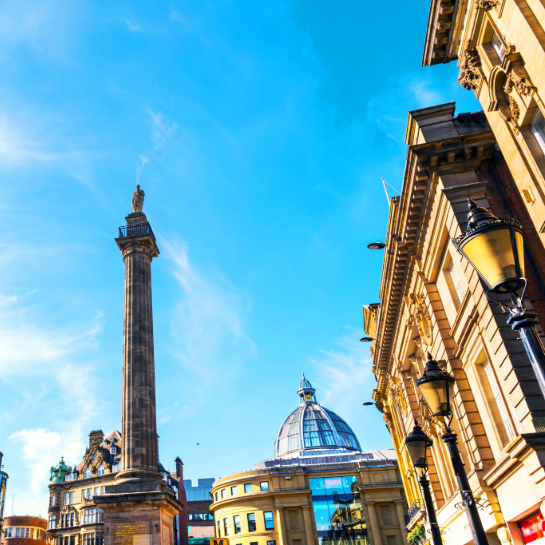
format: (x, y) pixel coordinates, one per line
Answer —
(267, 489)
(246, 491)
(268, 521)
(251, 522)
(237, 527)
(540, 139)
(235, 493)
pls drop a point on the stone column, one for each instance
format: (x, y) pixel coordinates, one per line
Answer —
(309, 528)
(139, 453)
(401, 519)
(281, 525)
(373, 520)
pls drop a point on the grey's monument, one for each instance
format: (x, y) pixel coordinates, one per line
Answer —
(139, 508)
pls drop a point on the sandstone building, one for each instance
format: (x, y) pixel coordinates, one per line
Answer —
(319, 488)
(500, 48)
(433, 301)
(74, 516)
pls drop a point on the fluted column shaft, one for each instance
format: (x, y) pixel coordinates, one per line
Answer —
(139, 425)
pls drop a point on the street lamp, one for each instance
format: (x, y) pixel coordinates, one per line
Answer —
(436, 387)
(417, 445)
(367, 340)
(495, 249)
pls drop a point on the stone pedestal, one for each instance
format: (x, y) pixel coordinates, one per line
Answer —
(139, 514)
(139, 508)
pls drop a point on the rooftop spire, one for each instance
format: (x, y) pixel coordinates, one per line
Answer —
(306, 391)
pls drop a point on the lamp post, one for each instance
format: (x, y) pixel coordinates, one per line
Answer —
(437, 389)
(417, 444)
(495, 249)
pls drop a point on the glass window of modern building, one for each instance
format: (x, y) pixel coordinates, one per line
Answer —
(251, 522)
(264, 485)
(247, 488)
(337, 509)
(236, 520)
(234, 490)
(269, 522)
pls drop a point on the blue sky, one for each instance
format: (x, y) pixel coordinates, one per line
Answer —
(259, 132)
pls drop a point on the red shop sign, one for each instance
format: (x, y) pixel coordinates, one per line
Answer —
(532, 528)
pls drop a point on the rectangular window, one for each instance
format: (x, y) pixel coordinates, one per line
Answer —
(7, 532)
(226, 526)
(18, 532)
(219, 533)
(73, 497)
(269, 522)
(456, 280)
(251, 522)
(89, 493)
(97, 491)
(223, 493)
(271, 542)
(264, 485)
(498, 46)
(72, 540)
(498, 398)
(233, 491)
(66, 498)
(52, 522)
(236, 520)
(247, 488)
(538, 128)
(216, 496)
(72, 519)
(100, 515)
(89, 516)
(103, 490)
(99, 539)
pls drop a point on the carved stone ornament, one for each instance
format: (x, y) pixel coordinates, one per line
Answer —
(422, 318)
(487, 5)
(514, 107)
(399, 393)
(470, 70)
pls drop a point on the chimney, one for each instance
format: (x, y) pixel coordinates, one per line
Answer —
(96, 437)
(179, 469)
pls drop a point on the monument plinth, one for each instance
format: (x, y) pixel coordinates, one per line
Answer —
(139, 508)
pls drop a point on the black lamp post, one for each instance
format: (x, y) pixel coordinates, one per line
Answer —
(437, 387)
(495, 249)
(417, 445)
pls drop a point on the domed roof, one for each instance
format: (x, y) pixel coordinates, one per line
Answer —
(312, 427)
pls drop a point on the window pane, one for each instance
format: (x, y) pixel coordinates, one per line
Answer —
(269, 522)
(538, 128)
(498, 46)
(237, 524)
(226, 526)
(251, 522)
(265, 485)
(247, 488)
(233, 491)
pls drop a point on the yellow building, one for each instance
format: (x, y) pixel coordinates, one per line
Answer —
(319, 488)
(432, 301)
(500, 48)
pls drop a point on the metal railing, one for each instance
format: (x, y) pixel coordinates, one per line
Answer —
(414, 511)
(136, 230)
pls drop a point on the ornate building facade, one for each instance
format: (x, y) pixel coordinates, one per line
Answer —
(319, 488)
(433, 302)
(74, 516)
(500, 48)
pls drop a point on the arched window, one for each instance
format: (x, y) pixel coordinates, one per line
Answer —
(87, 473)
(101, 469)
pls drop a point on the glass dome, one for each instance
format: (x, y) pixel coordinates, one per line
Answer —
(312, 427)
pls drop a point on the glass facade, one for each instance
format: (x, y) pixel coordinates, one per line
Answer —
(338, 511)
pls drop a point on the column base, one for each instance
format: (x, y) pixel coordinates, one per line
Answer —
(139, 513)
(137, 476)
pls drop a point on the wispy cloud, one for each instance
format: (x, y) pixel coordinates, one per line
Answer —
(53, 363)
(344, 374)
(163, 129)
(424, 93)
(207, 330)
(133, 27)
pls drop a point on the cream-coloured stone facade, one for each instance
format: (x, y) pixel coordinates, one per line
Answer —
(500, 48)
(432, 301)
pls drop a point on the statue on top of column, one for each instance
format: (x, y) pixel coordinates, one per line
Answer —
(138, 200)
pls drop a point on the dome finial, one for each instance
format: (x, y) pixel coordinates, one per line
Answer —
(306, 391)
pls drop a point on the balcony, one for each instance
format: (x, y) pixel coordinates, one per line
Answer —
(136, 230)
(414, 512)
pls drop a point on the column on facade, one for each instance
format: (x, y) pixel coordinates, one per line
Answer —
(281, 526)
(401, 518)
(309, 529)
(443, 472)
(373, 520)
